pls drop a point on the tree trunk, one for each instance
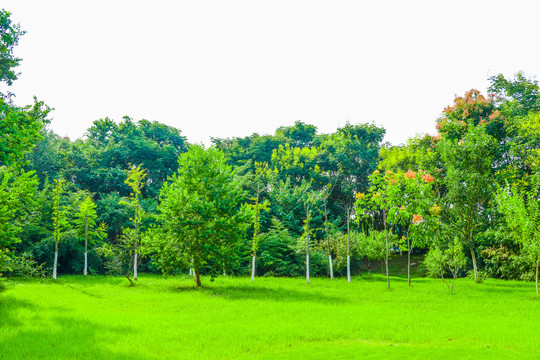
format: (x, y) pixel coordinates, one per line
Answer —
(328, 241)
(348, 244)
(253, 267)
(387, 250)
(331, 267)
(409, 263)
(86, 245)
(135, 266)
(55, 259)
(197, 277)
(475, 268)
(537, 279)
(136, 241)
(307, 245)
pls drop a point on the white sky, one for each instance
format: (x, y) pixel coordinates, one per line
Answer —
(232, 68)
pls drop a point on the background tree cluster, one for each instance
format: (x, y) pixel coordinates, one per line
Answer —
(135, 196)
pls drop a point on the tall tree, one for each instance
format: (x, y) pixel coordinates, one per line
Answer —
(135, 181)
(85, 221)
(469, 185)
(522, 215)
(60, 219)
(200, 212)
(262, 174)
(17, 189)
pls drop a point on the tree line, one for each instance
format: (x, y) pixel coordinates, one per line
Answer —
(136, 196)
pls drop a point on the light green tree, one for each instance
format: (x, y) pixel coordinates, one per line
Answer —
(60, 219)
(135, 181)
(262, 174)
(521, 211)
(86, 224)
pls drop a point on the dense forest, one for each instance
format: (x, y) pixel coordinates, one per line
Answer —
(136, 196)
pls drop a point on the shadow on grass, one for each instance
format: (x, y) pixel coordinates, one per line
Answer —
(248, 292)
(9, 306)
(28, 331)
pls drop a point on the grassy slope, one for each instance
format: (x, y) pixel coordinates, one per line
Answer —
(102, 318)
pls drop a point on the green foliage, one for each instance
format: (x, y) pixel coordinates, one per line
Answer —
(10, 34)
(200, 212)
(445, 258)
(20, 128)
(17, 189)
(522, 215)
(515, 97)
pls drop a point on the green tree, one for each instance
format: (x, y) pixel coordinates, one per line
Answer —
(469, 185)
(522, 214)
(262, 173)
(60, 219)
(384, 197)
(135, 182)
(86, 224)
(10, 34)
(20, 128)
(200, 212)
(17, 189)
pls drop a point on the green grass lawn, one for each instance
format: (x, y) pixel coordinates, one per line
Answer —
(103, 318)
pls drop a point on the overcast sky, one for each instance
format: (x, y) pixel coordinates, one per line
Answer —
(232, 68)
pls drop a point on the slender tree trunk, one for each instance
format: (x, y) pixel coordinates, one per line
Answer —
(190, 271)
(307, 245)
(135, 265)
(253, 267)
(136, 256)
(197, 277)
(328, 243)
(331, 267)
(224, 272)
(537, 280)
(55, 259)
(255, 234)
(409, 262)
(387, 251)
(475, 268)
(348, 244)
(86, 245)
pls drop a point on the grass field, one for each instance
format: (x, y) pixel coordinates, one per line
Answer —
(103, 318)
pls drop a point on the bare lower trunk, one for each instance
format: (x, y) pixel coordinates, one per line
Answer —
(331, 267)
(135, 266)
(85, 261)
(253, 268)
(307, 268)
(409, 264)
(537, 280)
(348, 246)
(224, 272)
(348, 268)
(86, 245)
(190, 271)
(475, 268)
(197, 277)
(387, 251)
(307, 245)
(55, 259)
